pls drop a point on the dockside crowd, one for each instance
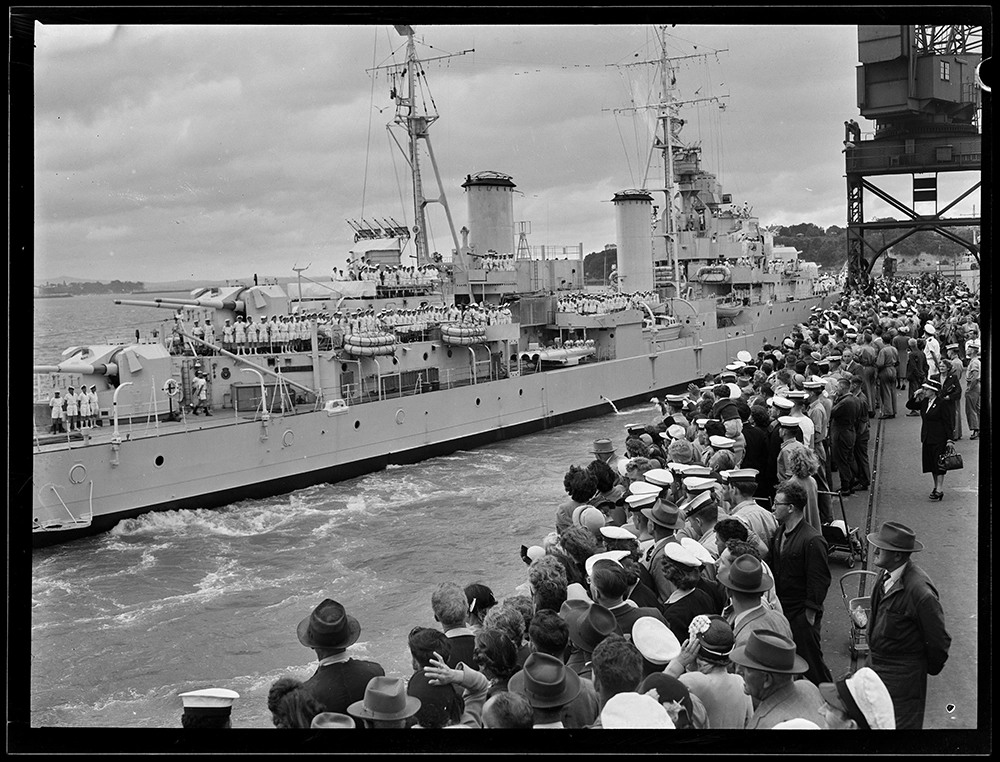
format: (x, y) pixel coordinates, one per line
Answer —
(684, 583)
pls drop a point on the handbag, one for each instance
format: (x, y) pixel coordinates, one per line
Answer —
(950, 460)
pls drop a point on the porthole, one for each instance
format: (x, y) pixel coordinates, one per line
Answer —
(449, 353)
(357, 424)
(158, 461)
(78, 473)
(225, 374)
(478, 401)
(395, 361)
(520, 392)
(425, 356)
(343, 367)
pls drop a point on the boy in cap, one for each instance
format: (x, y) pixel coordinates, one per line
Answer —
(209, 708)
(339, 679)
(859, 702)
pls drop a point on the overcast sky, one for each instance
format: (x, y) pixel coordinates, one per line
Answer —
(206, 152)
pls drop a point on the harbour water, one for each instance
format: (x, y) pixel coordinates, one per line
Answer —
(123, 622)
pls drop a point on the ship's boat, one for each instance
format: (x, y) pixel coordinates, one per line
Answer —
(314, 408)
(714, 274)
(728, 310)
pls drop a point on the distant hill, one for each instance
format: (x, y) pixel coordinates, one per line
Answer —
(174, 285)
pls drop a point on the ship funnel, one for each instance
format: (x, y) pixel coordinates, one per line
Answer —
(633, 225)
(491, 212)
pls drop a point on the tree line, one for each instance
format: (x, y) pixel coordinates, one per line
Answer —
(95, 287)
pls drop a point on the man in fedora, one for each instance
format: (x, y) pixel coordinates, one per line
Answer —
(339, 680)
(664, 520)
(746, 583)
(604, 449)
(768, 664)
(548, 685)
(587, 625)
(385, 704)
(907, 638)
(799, 558)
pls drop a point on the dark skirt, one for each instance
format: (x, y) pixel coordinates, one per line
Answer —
(930, 453)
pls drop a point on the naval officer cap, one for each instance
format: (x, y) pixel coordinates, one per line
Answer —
(696, 503)
(795, 394)
(737, 474)
(641, 500)
(721, 442)
(699, 483)
(700, 422)
(679, 554)
(209, 701)
(678, 468)
(698, 550)
(815, 383)
(788, 422)
(617, 533)
(643, 488)
(675, 399)
(744, 356)
(660, 477)
(674, 431)
(781, 402)
(615, 556)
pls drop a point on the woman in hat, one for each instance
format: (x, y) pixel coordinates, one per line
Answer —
(703, 666)
(689, 598)
(686, 710)
(936, 428)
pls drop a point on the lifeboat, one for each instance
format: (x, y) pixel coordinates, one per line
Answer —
(559, 356)
(463, 335)
(714, 274)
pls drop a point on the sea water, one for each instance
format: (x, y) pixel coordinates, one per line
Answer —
(123, 622)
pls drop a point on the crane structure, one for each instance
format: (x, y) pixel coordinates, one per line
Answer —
(919, 85)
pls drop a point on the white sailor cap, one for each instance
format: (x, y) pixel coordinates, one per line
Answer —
(733, 367)
(739, 473)
(735, 392)
(699, 483)
(700, 422)
(795, 394)
(834, 358)
(677, 552)
(781, 402)
(641, 500)
(951, 346)
(696, 469)
(695, 504)
(617, 533)
(698, 550)
(721, 443)
(814, 383)
(655, 640)
(660, 477)
(614, 556)
(622, 466)
(727, 374)
(788, 422)
(675, 399)
(789, 343)
(744, 356)
(678, 468)
(643, 488)
(209, 701)
(676, 431)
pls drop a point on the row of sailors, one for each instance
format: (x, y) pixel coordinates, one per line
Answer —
(603, 304)
(75, 411)
(389, 275)
(493, 261)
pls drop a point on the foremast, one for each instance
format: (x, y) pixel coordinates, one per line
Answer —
(416, 118)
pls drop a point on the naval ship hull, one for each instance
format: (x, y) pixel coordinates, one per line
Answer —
(87, 488)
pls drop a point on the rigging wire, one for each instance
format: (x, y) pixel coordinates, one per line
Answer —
(368, 143)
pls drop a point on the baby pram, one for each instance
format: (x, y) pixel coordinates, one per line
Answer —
(840, 538)
(859, 608)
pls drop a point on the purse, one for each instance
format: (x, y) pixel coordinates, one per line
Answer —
(950, 460)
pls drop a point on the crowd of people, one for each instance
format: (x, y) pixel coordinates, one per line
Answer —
(684, 583)
(396, 276)
(603, 304)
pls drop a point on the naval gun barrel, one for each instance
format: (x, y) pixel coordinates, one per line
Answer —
(237, 305)
(86, 369)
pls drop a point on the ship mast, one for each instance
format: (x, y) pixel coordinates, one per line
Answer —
(416, 120)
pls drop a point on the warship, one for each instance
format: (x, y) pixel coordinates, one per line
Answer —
(324, 380)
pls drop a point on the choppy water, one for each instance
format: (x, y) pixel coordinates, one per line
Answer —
(123, 622)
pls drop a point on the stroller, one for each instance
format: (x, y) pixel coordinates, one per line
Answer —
(859, 609)
(840, 538)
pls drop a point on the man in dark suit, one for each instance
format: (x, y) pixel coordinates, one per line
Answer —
(340, 680)
(801, 576)
(907, 638)
(844, 416)
(862, 435)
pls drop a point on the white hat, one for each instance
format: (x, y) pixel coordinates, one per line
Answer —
(629, 710)
(655, 641)
(676, 431)
(744, 356)
(721, 443)
(617, 533)
(700, 422)
(868, 694)
(798, 723)
(535, 552)
(332, 721)
(782, 402)
(621, 466)
(929, 328)
(788, 422)
(739, 473)
(577, 592)
(611, 555)
(659, 477)
(699, 483)
(641, 500)
(698, 550)
(643, 488)
(214, 700)
(734, 391)
(592, 518)
(677, 552)
(679, 468)
(734, 367)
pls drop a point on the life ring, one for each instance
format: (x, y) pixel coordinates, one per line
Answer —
(370, 340)
(463, 340)
(172, 388)
(462, 331)
(353, 349)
